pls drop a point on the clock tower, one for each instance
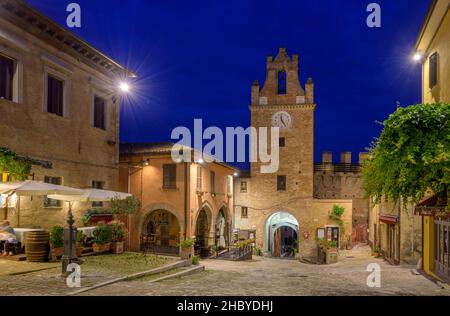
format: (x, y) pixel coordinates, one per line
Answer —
(283, 102)
(279, 209)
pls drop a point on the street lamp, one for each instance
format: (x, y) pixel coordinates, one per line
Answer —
(124, 87)
(417, 57)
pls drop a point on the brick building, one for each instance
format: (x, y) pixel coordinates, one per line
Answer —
(59, 106)
(290, 209)
(178, 199)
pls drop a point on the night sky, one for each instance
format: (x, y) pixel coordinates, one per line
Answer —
(198, 59)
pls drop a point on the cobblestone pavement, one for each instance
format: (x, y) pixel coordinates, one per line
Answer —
(268, 277)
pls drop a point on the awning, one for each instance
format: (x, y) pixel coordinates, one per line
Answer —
(389, 219)
(432, 206)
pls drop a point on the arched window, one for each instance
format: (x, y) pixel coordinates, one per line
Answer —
(282, 82)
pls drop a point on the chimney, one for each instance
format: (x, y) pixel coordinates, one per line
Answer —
(346, 157)
(327, 157)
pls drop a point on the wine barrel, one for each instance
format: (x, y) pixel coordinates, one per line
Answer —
(37, 246)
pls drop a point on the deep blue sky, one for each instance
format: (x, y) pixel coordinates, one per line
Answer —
(197, 59)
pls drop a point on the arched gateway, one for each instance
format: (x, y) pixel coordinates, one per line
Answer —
(160, 232)
(281, 235)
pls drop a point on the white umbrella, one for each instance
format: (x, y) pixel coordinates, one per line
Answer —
(37, 188)
(92, 195)
(34, 188)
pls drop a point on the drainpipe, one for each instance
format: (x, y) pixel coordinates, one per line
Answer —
(186, 191)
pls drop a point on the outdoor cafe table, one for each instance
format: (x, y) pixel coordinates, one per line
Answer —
(88, 231)
(21, 233)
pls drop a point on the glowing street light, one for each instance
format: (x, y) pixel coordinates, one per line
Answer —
(124, 87)
(417, 57)
(236, 174)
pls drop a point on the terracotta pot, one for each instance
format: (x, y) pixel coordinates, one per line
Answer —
(186, 253)
(101, 248)
(57, 252)
(117, 247)
(79, 251)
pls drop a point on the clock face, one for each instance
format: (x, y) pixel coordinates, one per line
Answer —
(282, 120)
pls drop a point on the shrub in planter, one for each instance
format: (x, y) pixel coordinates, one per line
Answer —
(195, 260)
(119, 233)
(186, 247)
(57, 241)
(80, 242)
(102, 238)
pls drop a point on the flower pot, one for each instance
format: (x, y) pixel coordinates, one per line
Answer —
(57, 252)
(79, 251)
(101, 248)
(117, 247)
(186, 253)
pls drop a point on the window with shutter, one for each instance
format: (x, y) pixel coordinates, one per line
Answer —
(6, 77)
(170, 176)
(99, 112)
(433, 70)
(50, 202)
(98, 185)
(199, 178)
(55, 96)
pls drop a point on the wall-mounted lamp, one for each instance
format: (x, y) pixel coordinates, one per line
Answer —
(417, 57)
(145, 163)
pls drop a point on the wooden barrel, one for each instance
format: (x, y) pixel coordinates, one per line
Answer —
(37, 246)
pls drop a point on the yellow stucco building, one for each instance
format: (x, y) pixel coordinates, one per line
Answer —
(433, 48)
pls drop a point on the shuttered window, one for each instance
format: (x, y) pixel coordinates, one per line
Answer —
(6, 78)
(99, 113)
(50, 202)
(170, 176)
(55, 96)
(433, 70)
(199, 178)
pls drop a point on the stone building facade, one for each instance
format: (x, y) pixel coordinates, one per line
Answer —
(60, 106)
(280, 208)
(403, 235)
(343, 180)
(178, 199)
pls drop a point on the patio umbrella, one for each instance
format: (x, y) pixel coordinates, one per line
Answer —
(34, 188)
(37, 188)
(92, 195)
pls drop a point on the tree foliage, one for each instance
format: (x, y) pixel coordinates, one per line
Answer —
(412, 154)
(18, 167)
(124, 207)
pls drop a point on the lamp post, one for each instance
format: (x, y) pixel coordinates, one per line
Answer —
(70, 239)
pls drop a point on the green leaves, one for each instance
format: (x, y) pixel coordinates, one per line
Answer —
(18, 167)
(412, 155)
(123, 207)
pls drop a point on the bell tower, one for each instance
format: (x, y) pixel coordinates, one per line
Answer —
(283, 102)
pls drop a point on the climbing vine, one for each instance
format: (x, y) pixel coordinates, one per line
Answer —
(412, 154)
(18, 167)
(336, 215)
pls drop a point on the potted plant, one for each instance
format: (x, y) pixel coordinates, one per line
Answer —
(119, 233)
(186, 247)
(376, 252)
(57, 241)
(215, 250)
(102, 238)
(80, 242)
